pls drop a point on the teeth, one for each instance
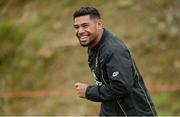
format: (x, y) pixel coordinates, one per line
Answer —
(84, 37)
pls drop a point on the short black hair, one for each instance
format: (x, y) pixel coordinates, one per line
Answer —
(93, 12)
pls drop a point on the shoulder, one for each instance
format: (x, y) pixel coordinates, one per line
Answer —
(114, 46)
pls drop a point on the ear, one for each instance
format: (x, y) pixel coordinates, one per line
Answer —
(100, 24)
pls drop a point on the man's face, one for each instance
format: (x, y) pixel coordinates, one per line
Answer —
(87, 30)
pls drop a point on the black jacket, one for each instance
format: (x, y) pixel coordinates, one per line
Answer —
(119, 85)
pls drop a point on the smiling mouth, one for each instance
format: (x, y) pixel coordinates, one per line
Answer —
(83, 38)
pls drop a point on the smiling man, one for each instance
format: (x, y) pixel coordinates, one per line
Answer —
(88, 30)
(119, 85)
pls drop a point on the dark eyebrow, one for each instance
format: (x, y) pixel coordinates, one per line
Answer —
(80, 24)
(84, 23)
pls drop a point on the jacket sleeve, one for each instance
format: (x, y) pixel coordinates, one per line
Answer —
(119, 72)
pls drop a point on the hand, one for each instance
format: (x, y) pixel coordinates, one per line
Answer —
(81, 89)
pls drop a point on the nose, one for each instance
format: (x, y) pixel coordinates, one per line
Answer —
(81, 30)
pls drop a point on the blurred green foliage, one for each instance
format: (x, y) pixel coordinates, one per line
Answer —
(38, 44)
(10, 39)
(164, 103)
(38, 51)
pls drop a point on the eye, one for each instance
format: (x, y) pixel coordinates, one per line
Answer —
(85, 25)
(76, 27)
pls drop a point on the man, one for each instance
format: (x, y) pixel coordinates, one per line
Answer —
(119, 85)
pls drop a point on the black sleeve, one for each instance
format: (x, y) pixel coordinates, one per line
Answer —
(119, 72)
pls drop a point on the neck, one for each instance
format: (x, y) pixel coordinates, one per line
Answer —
(97, 40)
